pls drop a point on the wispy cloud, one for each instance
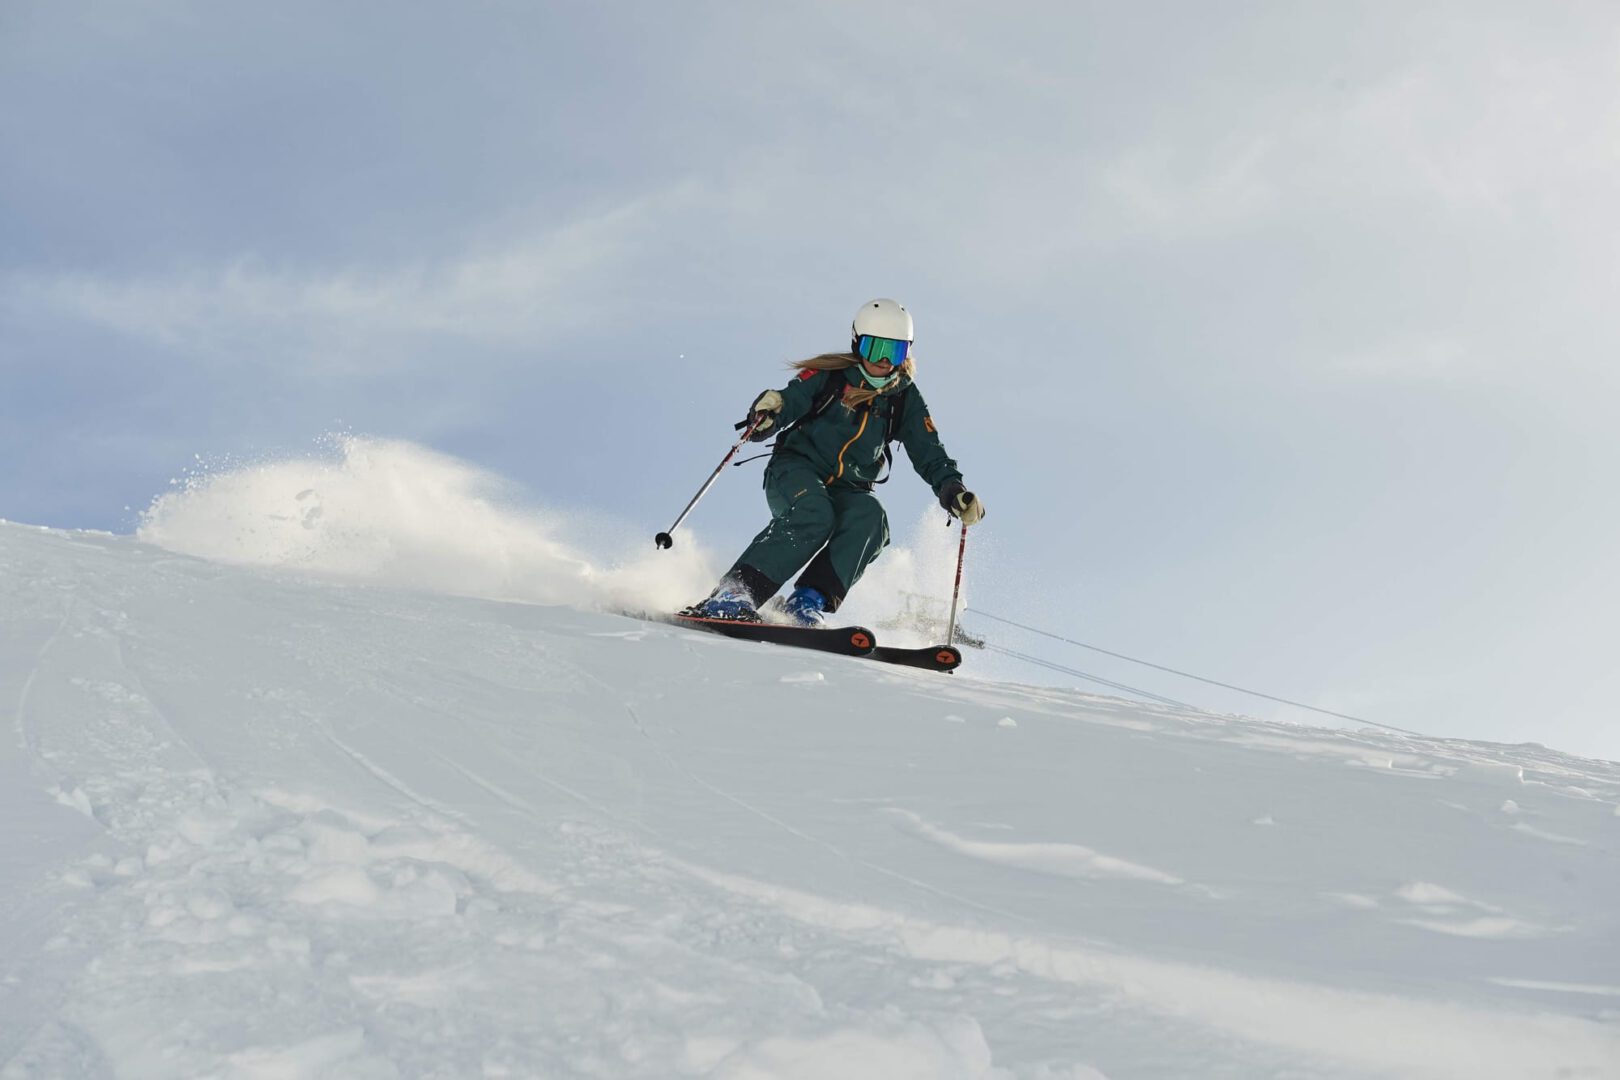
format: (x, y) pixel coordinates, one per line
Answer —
(537, 286)
(1409, 358)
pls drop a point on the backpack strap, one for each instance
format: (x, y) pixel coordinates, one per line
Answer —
(830, 392)
(891, 432)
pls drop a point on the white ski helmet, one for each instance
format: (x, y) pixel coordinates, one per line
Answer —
(883, 318)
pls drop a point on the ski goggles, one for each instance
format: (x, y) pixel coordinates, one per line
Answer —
(882, 350)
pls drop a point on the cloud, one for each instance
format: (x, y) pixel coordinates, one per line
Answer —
(1162, 189)
(533, 288)
(1416, 357)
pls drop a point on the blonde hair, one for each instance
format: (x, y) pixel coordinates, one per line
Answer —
(840, 361)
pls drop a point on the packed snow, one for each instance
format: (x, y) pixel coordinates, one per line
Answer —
(292, 789)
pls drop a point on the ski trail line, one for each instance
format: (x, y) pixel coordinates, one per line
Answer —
(157, 706)
(517, 802)
(30, 746)
(944, 894)
(392, 781)
(635, 718)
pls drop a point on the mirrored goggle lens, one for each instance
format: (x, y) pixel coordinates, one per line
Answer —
(882, 350)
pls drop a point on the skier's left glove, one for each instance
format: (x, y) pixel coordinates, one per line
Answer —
(962, 503)
(763, 410)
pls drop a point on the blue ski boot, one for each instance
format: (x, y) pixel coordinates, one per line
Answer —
(726, 604)
(805, 606)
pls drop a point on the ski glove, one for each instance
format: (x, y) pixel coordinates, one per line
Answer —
(962, 503)
(768, 402)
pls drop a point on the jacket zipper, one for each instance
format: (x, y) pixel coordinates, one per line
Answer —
(864, 416)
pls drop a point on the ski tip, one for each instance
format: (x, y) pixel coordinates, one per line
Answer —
(947, 658)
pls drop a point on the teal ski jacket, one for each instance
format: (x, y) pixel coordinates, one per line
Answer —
(846, 444)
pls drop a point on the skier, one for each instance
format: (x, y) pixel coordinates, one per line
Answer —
(834, 423)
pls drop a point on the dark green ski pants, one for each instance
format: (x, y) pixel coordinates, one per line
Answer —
(846, 525)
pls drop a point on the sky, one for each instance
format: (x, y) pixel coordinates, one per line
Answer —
(1276, 338)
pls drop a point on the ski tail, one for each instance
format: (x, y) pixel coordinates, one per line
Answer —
(930, 657)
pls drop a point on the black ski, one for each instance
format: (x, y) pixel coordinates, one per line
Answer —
(848, 640)
(932, 657)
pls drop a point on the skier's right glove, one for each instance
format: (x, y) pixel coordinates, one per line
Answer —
(962, 503)
(763, 410)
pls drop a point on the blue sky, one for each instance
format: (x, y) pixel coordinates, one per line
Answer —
(1277, 338)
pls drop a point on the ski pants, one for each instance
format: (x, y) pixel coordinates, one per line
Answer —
(837, 529)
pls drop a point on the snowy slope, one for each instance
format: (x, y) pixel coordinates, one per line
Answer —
(257, 825)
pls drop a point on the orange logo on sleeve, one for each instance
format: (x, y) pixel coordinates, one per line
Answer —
(928, 425)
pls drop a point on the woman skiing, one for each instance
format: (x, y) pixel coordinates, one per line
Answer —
(834, 423)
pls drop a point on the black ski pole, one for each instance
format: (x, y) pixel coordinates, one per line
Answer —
(664, 539)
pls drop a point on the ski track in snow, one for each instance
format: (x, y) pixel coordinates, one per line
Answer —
(1063, 860)
(25, 740)
(300, 830)
(799, 834)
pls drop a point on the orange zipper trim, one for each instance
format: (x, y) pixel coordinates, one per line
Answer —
(864, 417)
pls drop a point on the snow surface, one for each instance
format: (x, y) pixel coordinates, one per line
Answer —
(265, 824)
